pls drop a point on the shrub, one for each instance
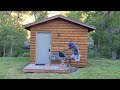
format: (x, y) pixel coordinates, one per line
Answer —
(26, 54)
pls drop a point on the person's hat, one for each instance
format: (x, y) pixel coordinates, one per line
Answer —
(70, 44)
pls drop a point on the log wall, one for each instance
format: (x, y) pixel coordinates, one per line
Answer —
(67, 31)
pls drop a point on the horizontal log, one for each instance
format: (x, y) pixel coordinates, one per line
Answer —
(32, 32)
(67, 40)
(58, 61)
(32, 62)
(63, 44)
(32, 59)
(80, 65)
(32, 37)
(31, 52)
(69, 54)
(68, 31)
(33, 55)
(66, 45)
(32, 47)
(57, 27)
(58, 22)
(49, 29)
(81, 50)
(62, 48)
(32, 40)
(81, 61)
(41, 31)
(82, 56)
(72, 64)
(66, 61)
(70, 35)
(81, 43)
(61, 30)
(60, 25)
(64, 35)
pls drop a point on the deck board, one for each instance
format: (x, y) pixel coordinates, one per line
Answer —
(54, 68)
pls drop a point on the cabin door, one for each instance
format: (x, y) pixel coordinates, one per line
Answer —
(43, 43)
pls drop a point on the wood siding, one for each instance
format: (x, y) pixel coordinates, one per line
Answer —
(68, 31)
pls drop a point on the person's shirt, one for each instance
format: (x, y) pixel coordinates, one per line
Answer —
(75, 50)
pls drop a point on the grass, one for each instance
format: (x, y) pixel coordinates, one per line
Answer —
(11, 68)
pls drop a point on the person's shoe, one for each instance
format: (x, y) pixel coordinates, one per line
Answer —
(68, 65)
(76, 70)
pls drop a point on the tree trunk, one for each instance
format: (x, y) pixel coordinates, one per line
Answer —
(11, 49)
(4, 50)
(35, 14)
(109, 34)
(114, 55)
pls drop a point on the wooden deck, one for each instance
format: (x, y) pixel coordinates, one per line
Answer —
(54, 68)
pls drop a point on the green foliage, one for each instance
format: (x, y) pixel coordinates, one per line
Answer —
(91, 53)
(12, 36)
(26, 54)
(74, 15)
(77, 15)
(39, 15)
(106, 35)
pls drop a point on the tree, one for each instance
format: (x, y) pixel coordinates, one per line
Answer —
(39, 15)
(12, 36)
(106, 35)
(77, 15)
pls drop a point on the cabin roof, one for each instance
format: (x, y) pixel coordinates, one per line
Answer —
(90, 27)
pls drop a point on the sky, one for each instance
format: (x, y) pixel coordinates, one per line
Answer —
(29, 19)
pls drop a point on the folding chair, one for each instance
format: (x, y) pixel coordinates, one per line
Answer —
(58, 56)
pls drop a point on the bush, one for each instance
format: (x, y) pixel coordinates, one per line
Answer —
(26, 54)
(93, 54)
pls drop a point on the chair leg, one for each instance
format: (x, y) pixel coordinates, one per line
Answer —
(62, 62)
(50, 62)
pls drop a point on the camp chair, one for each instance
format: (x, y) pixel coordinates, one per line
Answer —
(58, 56)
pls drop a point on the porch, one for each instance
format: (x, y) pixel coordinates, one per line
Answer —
(47, 68)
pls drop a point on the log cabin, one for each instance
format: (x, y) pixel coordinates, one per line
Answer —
(54, 33)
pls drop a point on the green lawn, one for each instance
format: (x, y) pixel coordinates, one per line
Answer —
(11, 68)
